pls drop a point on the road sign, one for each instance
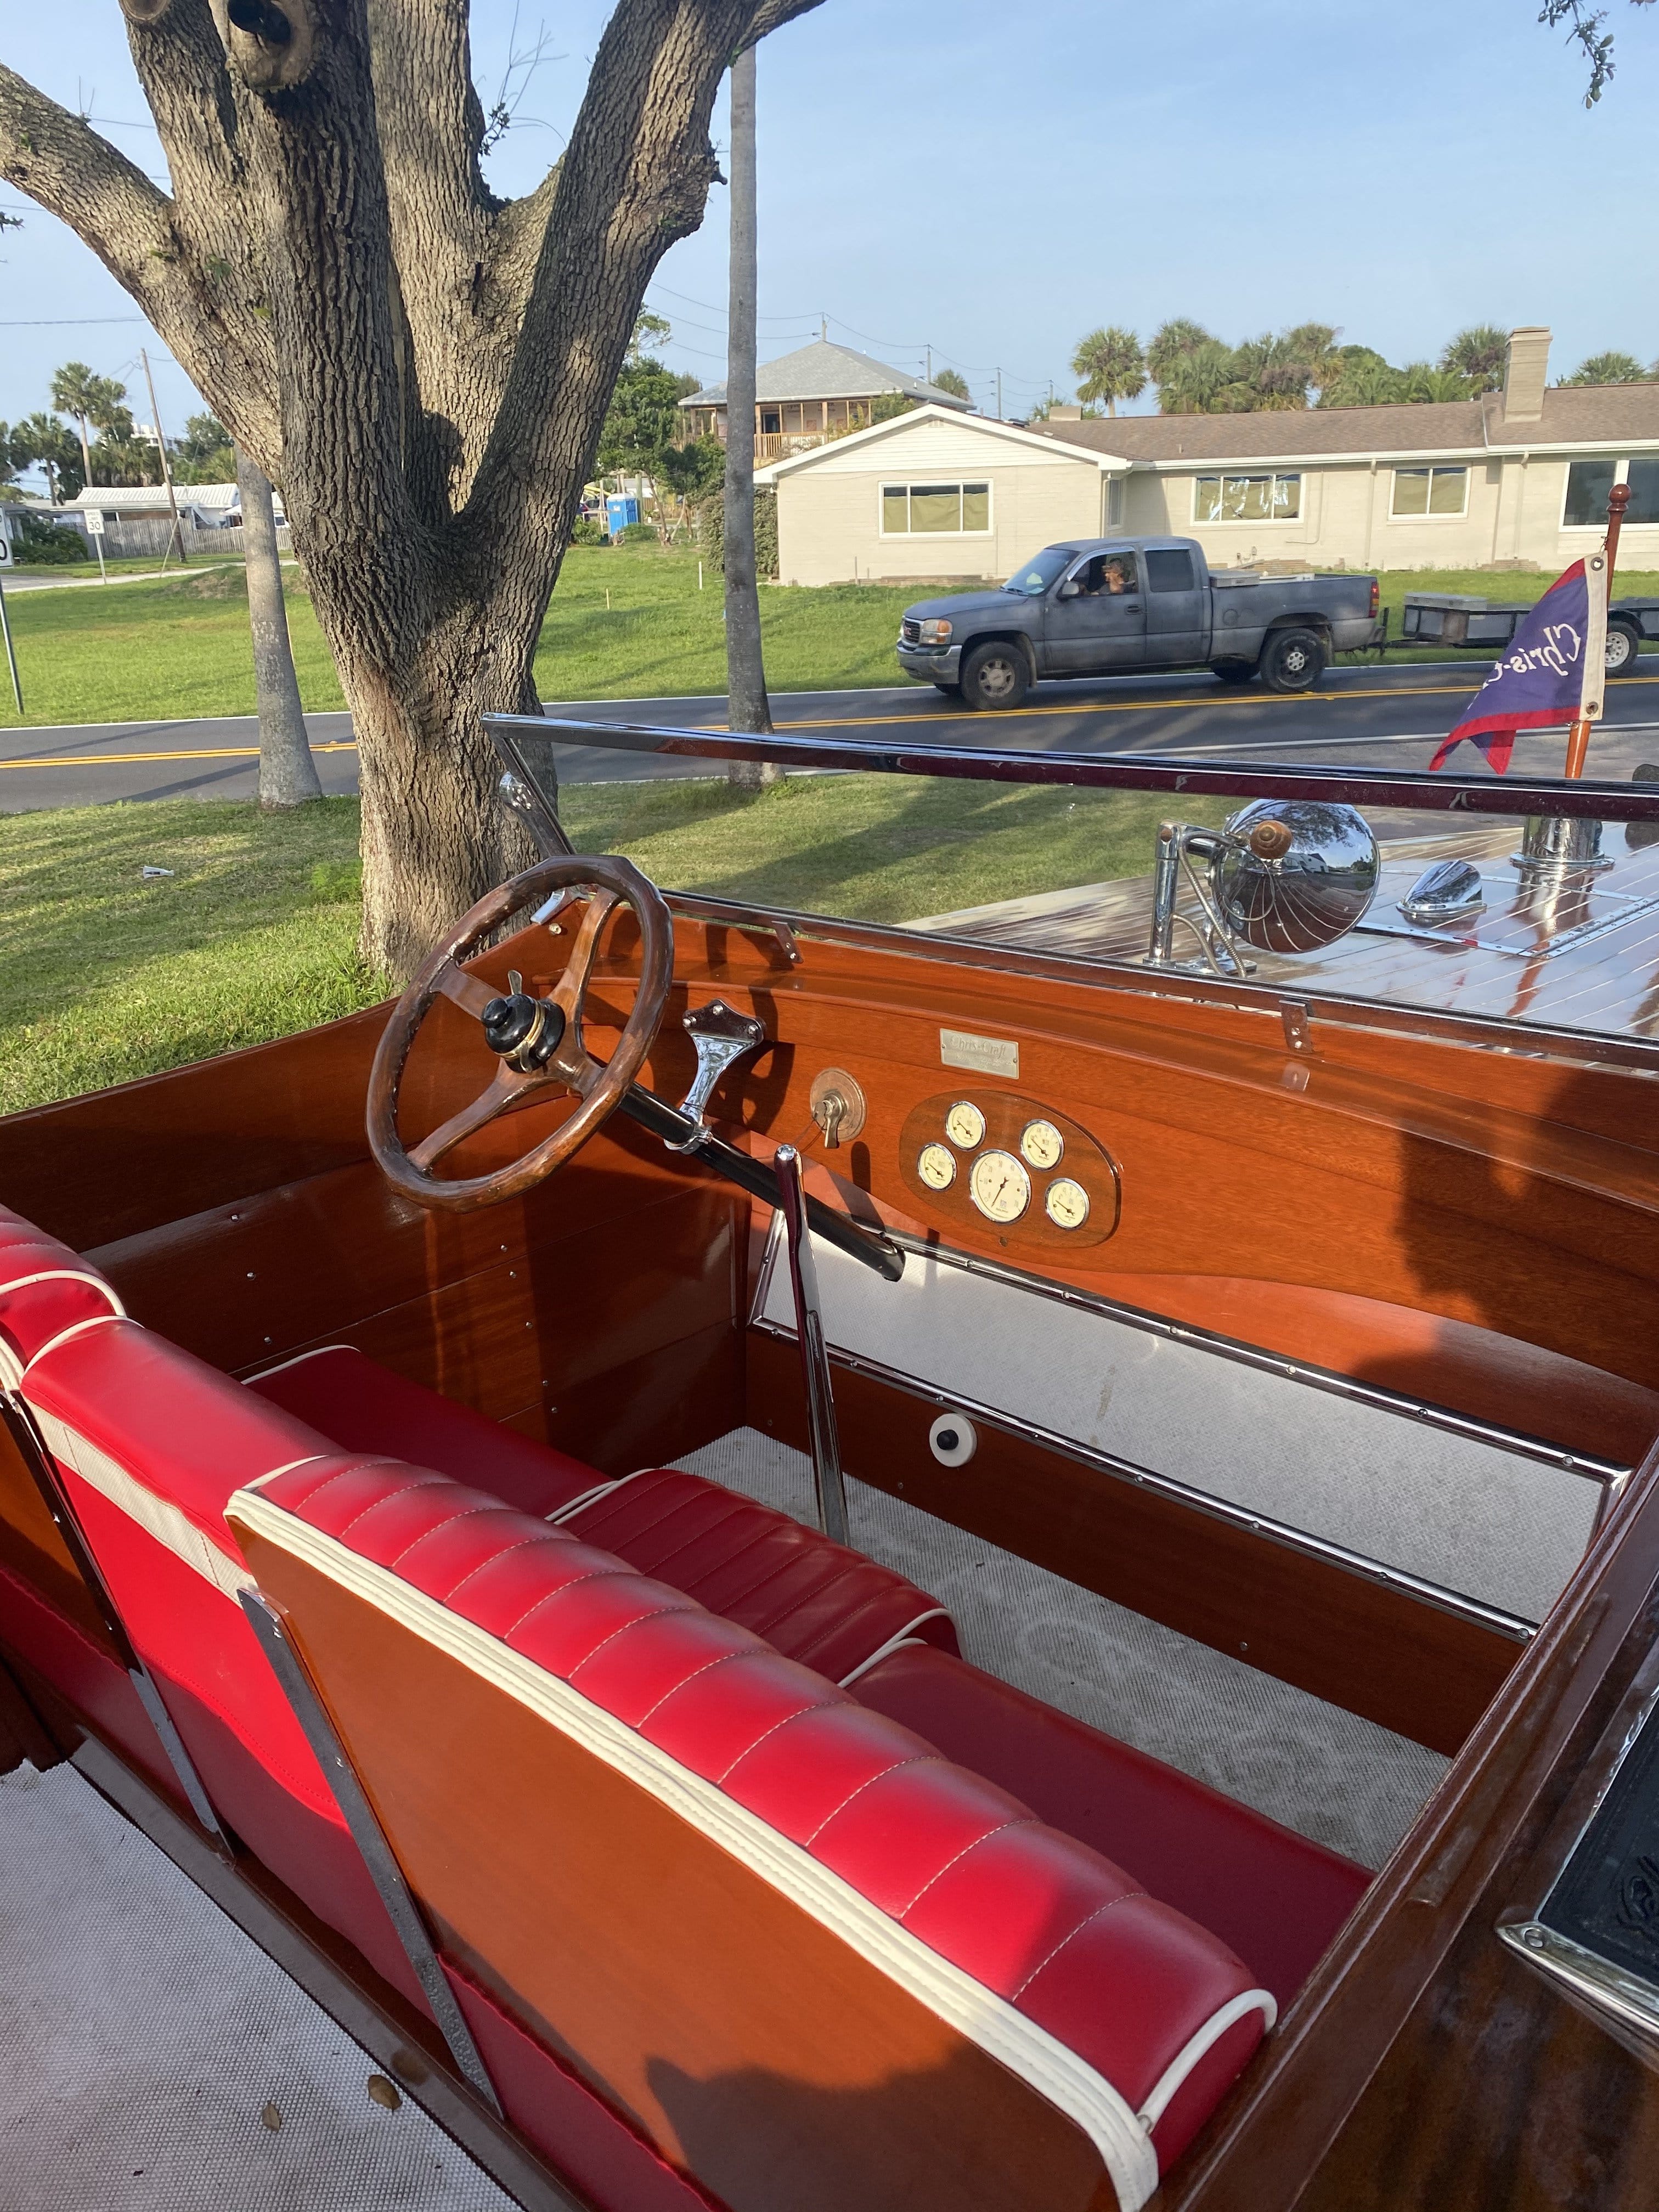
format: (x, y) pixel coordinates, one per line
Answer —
(5, 539)
(95, 521)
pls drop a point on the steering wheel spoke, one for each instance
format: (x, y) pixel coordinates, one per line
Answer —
(507, 1087)
(467, 991)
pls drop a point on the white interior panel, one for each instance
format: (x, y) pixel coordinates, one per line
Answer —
(1468, 1515)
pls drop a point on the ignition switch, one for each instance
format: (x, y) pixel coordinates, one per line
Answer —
(838, 1106)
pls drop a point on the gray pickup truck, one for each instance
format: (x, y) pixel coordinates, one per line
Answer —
(1108, 606)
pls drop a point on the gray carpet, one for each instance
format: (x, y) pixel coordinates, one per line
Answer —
(154, 2059)
(1342, 1780)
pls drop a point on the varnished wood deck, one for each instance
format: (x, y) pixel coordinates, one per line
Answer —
(1582, 956)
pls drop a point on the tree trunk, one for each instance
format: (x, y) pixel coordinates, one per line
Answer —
(747, 705)
(288, 774)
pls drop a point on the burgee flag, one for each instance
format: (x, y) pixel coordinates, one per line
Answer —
(1552, 671)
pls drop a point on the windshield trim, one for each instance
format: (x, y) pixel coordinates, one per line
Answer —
(1192, 778)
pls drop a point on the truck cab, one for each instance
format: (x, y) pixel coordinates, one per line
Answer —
(1103, 606)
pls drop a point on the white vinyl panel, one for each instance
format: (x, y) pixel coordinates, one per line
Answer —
(1464, 1515)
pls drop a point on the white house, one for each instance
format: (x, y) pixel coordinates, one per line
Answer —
(934, 494)
(1517, 478)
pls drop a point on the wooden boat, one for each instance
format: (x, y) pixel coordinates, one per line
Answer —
(1042, 1595)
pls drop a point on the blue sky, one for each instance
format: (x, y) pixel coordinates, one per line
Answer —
(994, 181)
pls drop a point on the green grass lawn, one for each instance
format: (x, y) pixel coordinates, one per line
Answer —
(108, 975)
(105, 975)
(180, 646)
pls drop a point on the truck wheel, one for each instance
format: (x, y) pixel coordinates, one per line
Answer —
(1292, 660)
(1234, 671)
(1624, 648)
(994, 675)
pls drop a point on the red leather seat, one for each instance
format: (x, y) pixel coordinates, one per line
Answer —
(812, 1599)
(1271, 1895)
(668, 1792)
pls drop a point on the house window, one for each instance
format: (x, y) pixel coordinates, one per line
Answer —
(1247, 499)
(1642, 478)
(1588, 483)
(951, 510)
(1430, 491)
(771, 421)
(1115, 502)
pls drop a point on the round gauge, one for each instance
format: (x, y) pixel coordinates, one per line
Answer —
(1066, 1204)
(964, 1125)
(999, 1187)
(1042, 1144)
(937, 1167)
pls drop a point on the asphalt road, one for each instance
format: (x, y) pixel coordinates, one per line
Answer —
(1365, 717)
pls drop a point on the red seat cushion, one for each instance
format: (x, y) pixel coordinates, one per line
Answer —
(364, 1407)
(813, 1601)
(831, 1608)
(1270, 1895)
(44, 1289)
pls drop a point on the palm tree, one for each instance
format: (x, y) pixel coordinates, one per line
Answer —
(1314, 345)
(1172, 340)
(1265, 375)
(953, 381)
(1196, 380)
(41, 439)
(1610, 368)
(1424, 382)
(1478, 354)
(75, 389)
(1110, 366)
(1362, 379)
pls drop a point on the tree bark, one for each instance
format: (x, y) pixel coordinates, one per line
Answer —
(423, 370)
(747, 705)
(288, 774)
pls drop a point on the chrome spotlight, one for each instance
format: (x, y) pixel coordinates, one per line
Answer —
(1281, 876)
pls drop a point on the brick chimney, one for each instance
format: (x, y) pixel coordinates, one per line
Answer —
(1526, 366)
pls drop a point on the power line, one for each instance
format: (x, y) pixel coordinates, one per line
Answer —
(72, 322)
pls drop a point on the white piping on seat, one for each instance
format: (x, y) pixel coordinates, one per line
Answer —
(158, 1517)
(260, 1480)
(1051, 2069)
(905, 1635)
(68, 1275)
(592, 1497)
(1174, 2074)
(76, 1329)
(298, 1360)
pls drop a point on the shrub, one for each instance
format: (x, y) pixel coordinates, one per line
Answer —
(637, 533)
(38, 544)
(588, 530)
(710, 520)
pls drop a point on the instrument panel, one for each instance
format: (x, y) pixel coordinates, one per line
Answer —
(995, 1162)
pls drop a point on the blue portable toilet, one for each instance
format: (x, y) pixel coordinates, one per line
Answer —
(619, 512)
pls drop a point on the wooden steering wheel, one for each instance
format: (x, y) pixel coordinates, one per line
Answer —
(538, 1040)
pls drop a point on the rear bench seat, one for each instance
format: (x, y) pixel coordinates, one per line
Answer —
(814, 1600)
(812, 1960)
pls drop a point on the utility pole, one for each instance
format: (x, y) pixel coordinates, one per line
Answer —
(288, 774)
(167, 472)
(998, 395)
(748, 709)
(927, 366)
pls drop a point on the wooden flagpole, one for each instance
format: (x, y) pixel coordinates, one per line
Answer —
(1578, 735)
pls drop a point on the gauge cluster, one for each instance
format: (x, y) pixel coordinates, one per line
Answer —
(1012, 1166)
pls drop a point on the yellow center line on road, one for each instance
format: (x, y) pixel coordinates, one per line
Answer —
(876, 721)
(206, 753)
(1151, 705)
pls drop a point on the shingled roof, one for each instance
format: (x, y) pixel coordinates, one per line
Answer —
(1605, 415)
(824, 371)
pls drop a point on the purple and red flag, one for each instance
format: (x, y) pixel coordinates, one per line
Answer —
(1552, 671)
